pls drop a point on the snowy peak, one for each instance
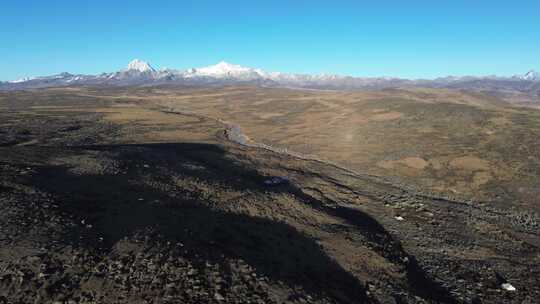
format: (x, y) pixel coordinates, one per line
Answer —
(227, 70)
(140, 66)
(531, 76)
(223, 67)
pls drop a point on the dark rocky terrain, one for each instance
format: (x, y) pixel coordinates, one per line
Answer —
(107, 200)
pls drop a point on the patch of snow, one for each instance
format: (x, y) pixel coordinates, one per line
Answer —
(25, 79)
(76, 78)
(531, 76)
(508, 287)
(57, 76)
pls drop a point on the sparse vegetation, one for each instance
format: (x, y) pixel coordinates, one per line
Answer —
(128, 195)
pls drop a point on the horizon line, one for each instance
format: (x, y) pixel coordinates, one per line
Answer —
(296, 73)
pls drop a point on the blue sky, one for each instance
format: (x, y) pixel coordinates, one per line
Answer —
(410, 39)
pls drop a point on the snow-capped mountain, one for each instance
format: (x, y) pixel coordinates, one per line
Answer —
(226, 70)
(531, 76)
(140, 66)
(139, 73)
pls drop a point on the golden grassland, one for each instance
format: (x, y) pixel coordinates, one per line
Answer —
(453, 142)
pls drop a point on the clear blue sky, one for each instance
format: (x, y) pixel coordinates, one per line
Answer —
(362, 38)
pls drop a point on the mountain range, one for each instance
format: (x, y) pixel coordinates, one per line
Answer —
(140, 73)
